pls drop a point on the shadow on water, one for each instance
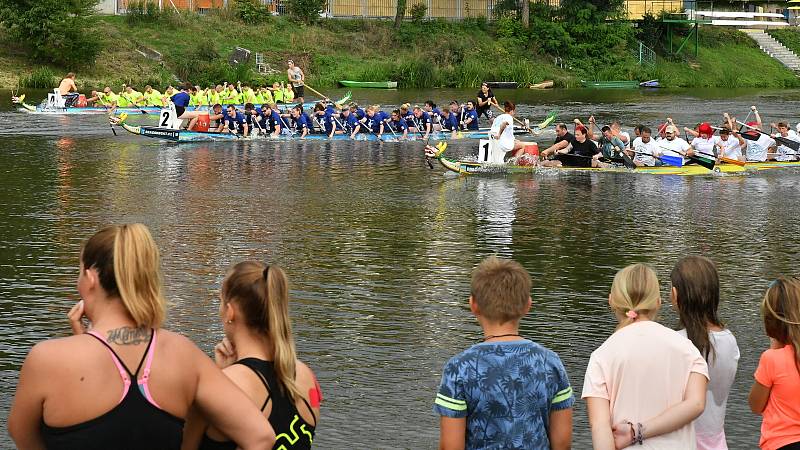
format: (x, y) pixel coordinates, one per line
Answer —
(379, 248)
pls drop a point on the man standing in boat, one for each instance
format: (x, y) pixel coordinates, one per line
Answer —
(68, 90)
(297, 79)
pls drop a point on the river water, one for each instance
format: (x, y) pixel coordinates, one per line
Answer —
(379, 248)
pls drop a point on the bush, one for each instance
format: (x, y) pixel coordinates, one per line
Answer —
(54, 31)
(251, 12)
(142, 11)
(306, 11)
(418, 12)
(41, 78)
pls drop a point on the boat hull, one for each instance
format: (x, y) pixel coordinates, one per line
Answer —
(472, 168)
(610, 84)
(172, 135)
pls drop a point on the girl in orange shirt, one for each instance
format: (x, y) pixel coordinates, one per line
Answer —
(777, 387)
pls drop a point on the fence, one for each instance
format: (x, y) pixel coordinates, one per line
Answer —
(644, 55)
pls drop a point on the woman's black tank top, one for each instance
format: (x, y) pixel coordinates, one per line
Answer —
(291, 431)
(133, 424)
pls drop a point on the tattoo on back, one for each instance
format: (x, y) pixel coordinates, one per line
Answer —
(128, 336)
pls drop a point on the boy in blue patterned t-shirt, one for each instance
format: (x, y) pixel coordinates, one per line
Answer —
(506, 392)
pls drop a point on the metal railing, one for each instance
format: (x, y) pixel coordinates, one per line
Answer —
(644, 55)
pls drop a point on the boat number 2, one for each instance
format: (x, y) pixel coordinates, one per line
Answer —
(164, 118)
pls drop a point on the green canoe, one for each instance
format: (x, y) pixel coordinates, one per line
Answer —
(610, 84)
(370, 84)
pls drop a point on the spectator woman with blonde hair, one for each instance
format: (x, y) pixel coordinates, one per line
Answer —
(125, 383)
(646, 383)
(258, 354)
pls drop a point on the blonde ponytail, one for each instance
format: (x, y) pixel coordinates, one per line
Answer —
(635, 291)
(128, 266)
(138, 275)
(280, 329)
(262, 294)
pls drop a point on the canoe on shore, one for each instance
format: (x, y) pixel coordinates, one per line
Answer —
(369, 84)
(503, 84)
(622, 84)
(543, 85)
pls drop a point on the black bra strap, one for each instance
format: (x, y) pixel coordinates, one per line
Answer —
(132, 375)
(146, 351)
(115, 354)
(311, 410)
(260, 377)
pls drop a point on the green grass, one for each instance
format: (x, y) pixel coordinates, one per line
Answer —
(428, 54)
(790, 37)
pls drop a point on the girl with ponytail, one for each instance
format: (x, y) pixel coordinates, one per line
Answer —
(68, 394)
(695, 295)
(258, 355)
(776, 389)
(646, 383)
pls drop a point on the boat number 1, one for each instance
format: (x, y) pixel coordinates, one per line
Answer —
(486, 151)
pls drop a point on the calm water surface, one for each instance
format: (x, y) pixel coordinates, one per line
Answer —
(379, 248)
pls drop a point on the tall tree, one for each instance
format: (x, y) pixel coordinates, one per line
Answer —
(400, 14)
(526, 13)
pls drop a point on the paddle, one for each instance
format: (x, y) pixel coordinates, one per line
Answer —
(360, 124)
(794, 145)
(723, 159)
(676, 161)
(523, 124)
(325, 97)
(391, 128)
(708, 164)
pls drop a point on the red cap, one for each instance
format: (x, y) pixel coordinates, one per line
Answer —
(705, 128)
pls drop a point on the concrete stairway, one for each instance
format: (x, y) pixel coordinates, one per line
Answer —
(775, 49)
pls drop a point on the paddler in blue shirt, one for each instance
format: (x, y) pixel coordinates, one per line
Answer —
(449, 122)
(235, 122)
(435, 113)
(397, 125)
(357, 112)
(470, 121)
(271, 120)
(301, 123)
(421, 123)
(348, 121)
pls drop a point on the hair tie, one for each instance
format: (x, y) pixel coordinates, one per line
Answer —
(631, 314)
(266, 272)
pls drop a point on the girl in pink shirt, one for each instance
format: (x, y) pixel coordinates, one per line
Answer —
(646, 383)
(776, 392)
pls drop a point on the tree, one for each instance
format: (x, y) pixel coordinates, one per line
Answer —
(306, 11)
(400, 14)
(56, 31)
(526, 13)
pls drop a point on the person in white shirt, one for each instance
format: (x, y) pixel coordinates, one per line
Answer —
(624, 136)
(703, 145)
(730, 144)
(672, 145)
(758, 142)
(695, 296)
(645, 148)
(502, 132)
(784, 152)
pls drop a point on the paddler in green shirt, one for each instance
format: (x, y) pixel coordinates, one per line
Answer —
(106, 98)
(122, 102)
(198, 97)
(247, 96)
(230, 96)
(214, 95)
(133, 97)
(152, 97)
(277, 92)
